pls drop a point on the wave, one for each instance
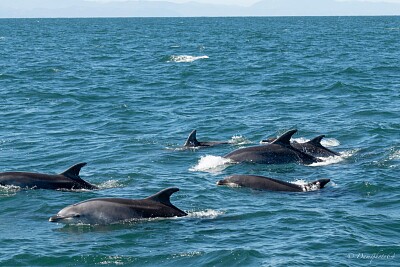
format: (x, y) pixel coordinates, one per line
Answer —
(185, 58)
(209, 163)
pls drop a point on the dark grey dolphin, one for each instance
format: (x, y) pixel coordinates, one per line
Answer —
(279, 151)
(192, 141)
(68, 179)
(114, 210)
(265, 183)
(312, 147)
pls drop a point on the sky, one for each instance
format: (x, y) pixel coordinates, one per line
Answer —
(234, 2)
(189, 8)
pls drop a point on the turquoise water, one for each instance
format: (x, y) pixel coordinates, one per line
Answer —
(123, 95)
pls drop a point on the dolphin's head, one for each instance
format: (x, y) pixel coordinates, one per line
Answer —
(229, 181)
(85, 212)
(68, 215)
(92, 211)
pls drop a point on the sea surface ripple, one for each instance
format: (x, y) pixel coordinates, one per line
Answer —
(123, 94)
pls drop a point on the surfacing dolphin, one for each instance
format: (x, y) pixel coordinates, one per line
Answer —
(265, 183)
(193, 142)
(68, 179)
(113, 210)
(312, 147)
(279, 151)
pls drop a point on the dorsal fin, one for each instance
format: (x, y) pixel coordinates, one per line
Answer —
(284, 139)
(192, 141)
(164, 195)
(73, 172)
(316, 141)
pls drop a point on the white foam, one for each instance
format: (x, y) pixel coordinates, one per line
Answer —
(110, 184)
(113, 260)
(206, 214)
(232, 185)
(306, 185)
(9, 189)
(326, 142)
(239, 140)
(330, 142)
(395, 154)
(185, 58)
(334, 159)
(187, 254)
(211, 163)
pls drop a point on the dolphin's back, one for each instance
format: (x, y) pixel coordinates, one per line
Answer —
(266, 183)
(264, 154)
(109, 210)
(69, 179)
(34, 180)
(260, 183)
(113, 210)
(315, 148)
(278, 152)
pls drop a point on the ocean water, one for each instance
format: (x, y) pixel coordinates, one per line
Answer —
(123, 95)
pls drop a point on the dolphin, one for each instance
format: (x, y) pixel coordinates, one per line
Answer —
(113, 210)
(193, 142)
(68, 179)
(312, 147)
(265, 183)
(279, 151)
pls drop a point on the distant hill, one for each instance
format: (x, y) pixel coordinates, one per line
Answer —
(82, 8)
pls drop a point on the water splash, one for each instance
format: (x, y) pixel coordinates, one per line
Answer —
(306, 185)
(209, 163)
(185, 58)
(9, 190)
(394, 154)
(110, 184)
(239, 140)
(206, 214)
(334, 159)
(326, 142)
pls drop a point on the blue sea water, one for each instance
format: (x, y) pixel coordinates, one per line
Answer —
(123, 94)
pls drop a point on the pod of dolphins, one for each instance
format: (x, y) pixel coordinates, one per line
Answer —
(115, 210)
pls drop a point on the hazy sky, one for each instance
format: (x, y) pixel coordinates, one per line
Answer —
(128, 8)
(236, 2)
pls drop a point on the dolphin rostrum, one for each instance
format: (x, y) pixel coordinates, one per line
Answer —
(113, 210)
(192, 141)
(312, 147)
(68, 179)
(265, 183)
(280, 151)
